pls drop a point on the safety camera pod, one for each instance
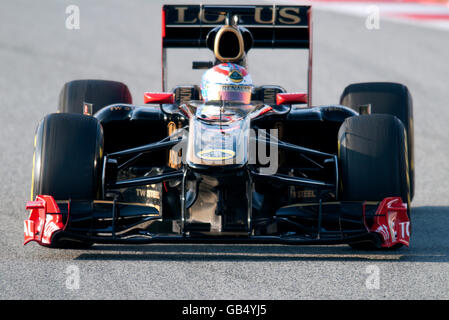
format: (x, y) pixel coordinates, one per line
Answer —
(230, 43)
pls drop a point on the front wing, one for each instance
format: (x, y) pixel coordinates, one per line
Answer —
(386, 224)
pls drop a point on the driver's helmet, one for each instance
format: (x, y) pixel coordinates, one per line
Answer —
(227, 82)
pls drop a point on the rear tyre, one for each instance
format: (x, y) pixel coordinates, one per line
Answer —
(67, 161)
(373, 158)
(387, 98)
(99, 93)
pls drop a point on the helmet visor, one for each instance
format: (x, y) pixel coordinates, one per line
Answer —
(232, 93)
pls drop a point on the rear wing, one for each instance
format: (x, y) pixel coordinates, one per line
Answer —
(272, 26)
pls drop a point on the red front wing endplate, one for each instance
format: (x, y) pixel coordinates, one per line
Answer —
(45, 219)
(392, 223)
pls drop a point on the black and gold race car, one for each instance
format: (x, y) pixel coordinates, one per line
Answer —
(179, 169)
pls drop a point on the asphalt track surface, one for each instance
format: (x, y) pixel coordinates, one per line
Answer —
(118, 40)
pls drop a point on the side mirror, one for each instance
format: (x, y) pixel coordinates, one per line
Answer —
(291, 98)
(159, 97)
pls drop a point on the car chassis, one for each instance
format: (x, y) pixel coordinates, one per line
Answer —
(323, 220)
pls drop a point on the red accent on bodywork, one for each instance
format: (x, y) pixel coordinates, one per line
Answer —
(291, 98)
(163, 23)
(158, 97)
(392, 223)
(163, 50)
(45, 219)
(264, 110)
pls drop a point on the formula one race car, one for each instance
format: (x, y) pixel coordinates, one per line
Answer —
(225, 161)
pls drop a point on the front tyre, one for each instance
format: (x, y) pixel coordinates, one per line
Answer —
(386, 98)
(67, 160)
(373, 161)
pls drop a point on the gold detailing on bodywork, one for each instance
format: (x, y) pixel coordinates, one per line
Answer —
(220, 33)
(174, 156)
